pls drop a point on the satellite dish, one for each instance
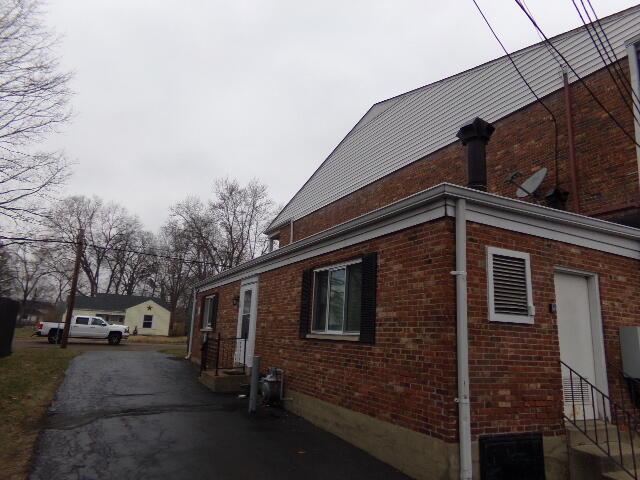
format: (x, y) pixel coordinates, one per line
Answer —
(531, 184)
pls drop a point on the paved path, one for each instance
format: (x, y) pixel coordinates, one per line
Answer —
(129, 415)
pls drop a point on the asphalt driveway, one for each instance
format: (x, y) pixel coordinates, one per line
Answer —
(125, 414)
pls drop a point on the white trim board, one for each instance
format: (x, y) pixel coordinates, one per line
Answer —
(437, 202)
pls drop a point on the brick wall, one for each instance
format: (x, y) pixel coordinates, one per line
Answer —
(515, 370)
(408, 377)
(606, 160)
(227, 315)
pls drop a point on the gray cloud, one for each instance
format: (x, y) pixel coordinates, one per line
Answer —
(171, 94)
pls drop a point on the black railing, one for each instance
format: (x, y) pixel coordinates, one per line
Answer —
(227, 355)
(585, 405)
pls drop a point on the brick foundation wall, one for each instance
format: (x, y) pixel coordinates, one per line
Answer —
(606, 160)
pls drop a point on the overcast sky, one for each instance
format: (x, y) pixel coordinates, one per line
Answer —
(172, 94)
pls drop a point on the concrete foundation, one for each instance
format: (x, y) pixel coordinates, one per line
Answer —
(413, 453)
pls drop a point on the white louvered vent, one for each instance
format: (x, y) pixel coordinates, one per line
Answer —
(576, 392)
(509, 289)
(510, 285)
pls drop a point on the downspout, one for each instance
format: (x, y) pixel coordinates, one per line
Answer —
(291, 231)
(475, 135)
(193, 317)
(573, 168)
(462, 338)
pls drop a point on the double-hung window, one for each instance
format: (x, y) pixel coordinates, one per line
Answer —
(147, 321)
(210, 312)
(337, 299)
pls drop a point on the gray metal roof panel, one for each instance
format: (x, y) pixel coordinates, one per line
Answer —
(406, 128)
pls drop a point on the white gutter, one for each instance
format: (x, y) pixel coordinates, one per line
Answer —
(193, 317)
(462, 334)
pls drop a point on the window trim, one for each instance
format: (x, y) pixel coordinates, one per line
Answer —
(143, 320)
(509, 317)
(204, 324)
(326, 333)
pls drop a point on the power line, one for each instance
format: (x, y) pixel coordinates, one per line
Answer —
(584, 84)
(553, 117)
(608, 65)
(22, 240)
(613, 51)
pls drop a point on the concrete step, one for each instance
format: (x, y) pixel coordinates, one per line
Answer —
(589, 462)
(617, 475)
(224, 382)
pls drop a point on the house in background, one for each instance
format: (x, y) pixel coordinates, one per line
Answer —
(423, 309)
(35, 311)
(151, 316)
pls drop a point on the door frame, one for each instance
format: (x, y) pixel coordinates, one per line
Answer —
(597, 327)
(250, 344)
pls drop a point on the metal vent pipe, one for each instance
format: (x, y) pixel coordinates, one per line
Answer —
(475, 134)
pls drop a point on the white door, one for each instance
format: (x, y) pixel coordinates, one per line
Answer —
(247, 313)
(80, 328)
(576, 345)
(98, 328)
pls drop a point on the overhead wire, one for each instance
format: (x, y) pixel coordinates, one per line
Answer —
(575, 73)
(538, 99)
(596, 21)
(611, 64)
(23, 240)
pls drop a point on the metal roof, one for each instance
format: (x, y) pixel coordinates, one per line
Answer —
(406, 128)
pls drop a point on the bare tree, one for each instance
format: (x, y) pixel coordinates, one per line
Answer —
(175, 264)
(226, 230)
(6, 277)
(242, 214)
(34, 98)
(109, 230)
(27, 271)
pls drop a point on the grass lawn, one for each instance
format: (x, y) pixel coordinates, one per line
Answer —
(28, 381)
(23, 332)
(157, 339)
(175, 351)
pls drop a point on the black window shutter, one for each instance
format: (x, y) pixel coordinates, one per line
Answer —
(368, 309)
(213, 314)
(305, 302)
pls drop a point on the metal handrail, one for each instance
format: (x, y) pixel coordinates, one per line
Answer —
(624, 421)
(220, 353)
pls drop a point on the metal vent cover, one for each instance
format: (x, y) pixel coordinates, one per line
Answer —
(510, 285)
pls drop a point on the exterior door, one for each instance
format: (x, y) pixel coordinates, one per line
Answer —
(575, 331)
(247, 314)
(98, 328)
(80, 328)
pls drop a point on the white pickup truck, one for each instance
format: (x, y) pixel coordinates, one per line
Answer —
(92, 328)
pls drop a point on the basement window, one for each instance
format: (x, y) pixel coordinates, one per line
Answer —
(509, 286)
(210, 312)
(337, 299)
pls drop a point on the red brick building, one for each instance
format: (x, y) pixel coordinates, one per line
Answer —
(425, 321)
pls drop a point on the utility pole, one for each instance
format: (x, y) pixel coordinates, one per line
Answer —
(74, 285)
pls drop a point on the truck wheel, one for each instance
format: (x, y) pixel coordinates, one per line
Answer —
(55, 336)
(114, 338)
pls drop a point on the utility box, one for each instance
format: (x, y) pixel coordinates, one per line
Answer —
(630, 346)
